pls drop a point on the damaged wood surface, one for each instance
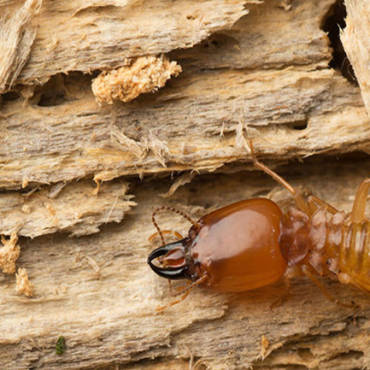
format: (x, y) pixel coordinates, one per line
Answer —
(76, 208)
(248, 69)
(356, 42)
(200, 129)
(89, 35)
(98, 292)
(59, 133)
(16, 38)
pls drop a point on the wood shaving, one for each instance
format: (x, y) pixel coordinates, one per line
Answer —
(143, 75)
(265, 344)
(9, 254)
(23, 285)
(184, 179)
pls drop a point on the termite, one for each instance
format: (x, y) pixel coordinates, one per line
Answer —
(252, 243)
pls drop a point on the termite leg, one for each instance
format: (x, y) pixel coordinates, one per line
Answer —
(298, 198)
(185, 293)
(162, 308)
(359, 205)
(165, 232)
(314, 202)
(308, 272)
(284, 296)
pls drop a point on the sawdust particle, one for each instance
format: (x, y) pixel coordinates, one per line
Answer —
(265, 344)
(23, 285)
(9, 254)
(142, 75)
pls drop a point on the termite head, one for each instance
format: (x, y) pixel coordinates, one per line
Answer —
(172, 261)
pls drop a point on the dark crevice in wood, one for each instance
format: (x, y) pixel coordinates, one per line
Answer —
(62, 88)
(10, 96)
(333, 22)
(299, 125)
(53, 92)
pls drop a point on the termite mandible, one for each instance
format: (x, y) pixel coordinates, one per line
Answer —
(251, 243)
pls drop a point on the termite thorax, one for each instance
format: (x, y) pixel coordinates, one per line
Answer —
(315, 240)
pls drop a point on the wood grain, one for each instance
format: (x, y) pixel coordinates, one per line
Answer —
(98, 292)
(77, 138)
(192, 124)
(76, 208)
(249, 69)
(90, 35)
(356, 42)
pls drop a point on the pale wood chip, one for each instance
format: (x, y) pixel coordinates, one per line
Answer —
(9, 254)
(142, 75)
(23, 285)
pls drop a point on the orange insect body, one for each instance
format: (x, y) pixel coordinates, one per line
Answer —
(250, 244)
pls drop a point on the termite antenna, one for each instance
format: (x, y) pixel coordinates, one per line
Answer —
(171, 209)
(301, 203)
(271, 173)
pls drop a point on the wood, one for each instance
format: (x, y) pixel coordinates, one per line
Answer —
(17, 37)
(356, 42)
(76, 208)
(110, 143)
(91, 35)
(248, 69)
(145, 136)
(107, 314)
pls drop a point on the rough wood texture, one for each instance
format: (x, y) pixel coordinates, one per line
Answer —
(199, 131)
(194, 123)
(260, 70)
(16, 38)
(76, 208)
(90, 35)
(99, 293)
(356, 41)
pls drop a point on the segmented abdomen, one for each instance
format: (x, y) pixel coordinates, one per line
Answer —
(354, 254)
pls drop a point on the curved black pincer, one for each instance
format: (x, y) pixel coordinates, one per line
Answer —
(173, 273)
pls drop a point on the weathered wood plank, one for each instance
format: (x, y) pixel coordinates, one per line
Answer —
(89, 35)
(145, 137)
(356, 42)
(269, 37)
(267, 74)
(17, 35)
(106, 308)
(75, 208)
(194, 125)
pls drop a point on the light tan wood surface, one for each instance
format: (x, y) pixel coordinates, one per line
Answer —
(70, 167)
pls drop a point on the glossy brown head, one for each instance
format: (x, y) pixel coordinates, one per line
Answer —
(232, 249)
